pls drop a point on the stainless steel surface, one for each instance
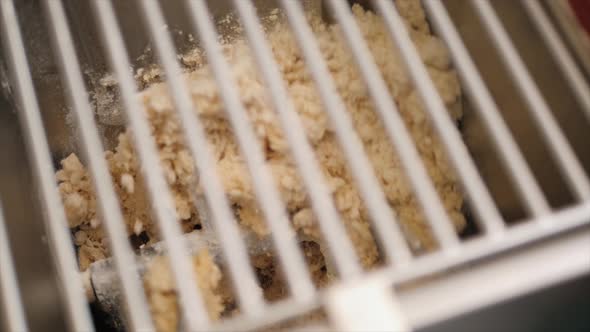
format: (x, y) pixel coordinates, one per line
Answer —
(522, 157)
(12, 308)
(34, 268)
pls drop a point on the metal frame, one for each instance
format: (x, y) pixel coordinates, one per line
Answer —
(546, 235)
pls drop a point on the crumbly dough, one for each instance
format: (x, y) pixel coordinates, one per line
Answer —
(162, 296)
(79, 198)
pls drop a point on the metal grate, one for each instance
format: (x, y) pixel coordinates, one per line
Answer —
(516, 251)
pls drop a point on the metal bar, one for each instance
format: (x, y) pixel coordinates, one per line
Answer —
(560, 52)
(11, 304)
(514, 163)
(451, 138)
(391, 237)
(135, 308)
(78, 315)
(191, 299)
(292, 261)
(563, 154)
(396, 130)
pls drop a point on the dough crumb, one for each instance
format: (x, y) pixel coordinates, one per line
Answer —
(162, 296)
(128, 183)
